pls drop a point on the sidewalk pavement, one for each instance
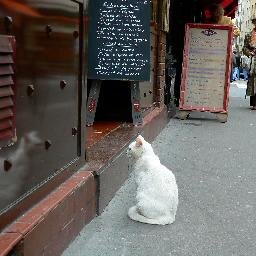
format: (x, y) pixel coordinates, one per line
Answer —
(214, 164)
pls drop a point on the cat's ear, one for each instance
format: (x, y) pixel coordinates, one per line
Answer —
(138, 142)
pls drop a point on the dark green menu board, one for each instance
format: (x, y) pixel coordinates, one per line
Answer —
(119, 40)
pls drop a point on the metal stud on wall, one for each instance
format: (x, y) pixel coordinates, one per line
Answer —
(7, 165)
(48, 30)
(30, 90)
(75, 34)
(63, 84)
(8, 24)
(74, 131)
(47, 144)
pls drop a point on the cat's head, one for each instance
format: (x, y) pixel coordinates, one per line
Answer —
(138, 148)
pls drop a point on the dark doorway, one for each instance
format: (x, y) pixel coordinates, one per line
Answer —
(181, 12)
(114, 102)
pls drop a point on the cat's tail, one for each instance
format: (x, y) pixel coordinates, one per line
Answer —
(134, 215)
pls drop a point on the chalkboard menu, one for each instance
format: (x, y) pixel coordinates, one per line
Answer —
(206, 68)
(119, 40)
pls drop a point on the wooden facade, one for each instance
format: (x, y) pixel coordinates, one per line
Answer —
(47, 89)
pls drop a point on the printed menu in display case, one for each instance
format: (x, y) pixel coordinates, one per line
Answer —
(206, 68)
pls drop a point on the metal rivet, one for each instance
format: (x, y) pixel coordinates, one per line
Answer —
(48, 30)
(7, 165)
(47, 144)
(8, 20)
(30, 90)
(63, 84)
(74, 131)
(150, 91)
(75, 34)
(7, 23)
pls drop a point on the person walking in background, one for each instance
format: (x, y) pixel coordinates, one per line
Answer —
(245, 63)
(249, 49)
(238, 64)
(235, 68)
(217, 17)
(233, 64)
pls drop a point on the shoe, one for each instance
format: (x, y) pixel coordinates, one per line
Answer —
(253, 108)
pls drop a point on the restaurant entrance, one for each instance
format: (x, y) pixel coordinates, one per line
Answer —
(182, 12)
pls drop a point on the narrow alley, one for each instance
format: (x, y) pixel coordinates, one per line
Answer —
(212, 163)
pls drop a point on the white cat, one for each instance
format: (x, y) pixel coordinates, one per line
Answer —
(157, 190)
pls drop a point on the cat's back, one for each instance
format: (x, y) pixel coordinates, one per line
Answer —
(157, 167)
(155, 173)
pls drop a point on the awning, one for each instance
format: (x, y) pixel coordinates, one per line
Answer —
(19, 8)
(230, 7)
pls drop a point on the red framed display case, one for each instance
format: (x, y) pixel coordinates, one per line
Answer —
(206, 68)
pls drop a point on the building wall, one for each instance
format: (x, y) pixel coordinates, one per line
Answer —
(246, 8)
(49, 96)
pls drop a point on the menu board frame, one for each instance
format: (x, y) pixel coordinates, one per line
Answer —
(209, 28)
(119, 40)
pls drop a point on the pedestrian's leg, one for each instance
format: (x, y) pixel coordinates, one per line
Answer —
(240, 71)
(231, 76)
(237, 73)
(253, 102)
(245, 74)
(234, 74)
